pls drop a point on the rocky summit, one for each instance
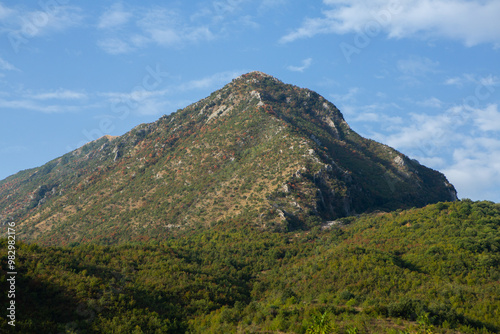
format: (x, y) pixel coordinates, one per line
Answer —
(258, 151)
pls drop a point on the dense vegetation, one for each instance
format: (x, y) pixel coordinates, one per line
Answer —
(428, 270)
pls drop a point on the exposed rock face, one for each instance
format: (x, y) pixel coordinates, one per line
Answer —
(257, 149)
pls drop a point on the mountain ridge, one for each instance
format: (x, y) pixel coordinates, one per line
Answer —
(272, 153)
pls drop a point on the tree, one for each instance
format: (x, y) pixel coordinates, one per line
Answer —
(321, 324)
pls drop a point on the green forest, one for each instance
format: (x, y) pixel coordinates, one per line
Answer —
(428, 270)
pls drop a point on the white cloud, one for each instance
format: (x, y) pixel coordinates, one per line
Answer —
(114, 17)
(167, 28)
(489, 81)
(460, 81)
(136, 95)
(157, 26)
(39, 22)
(5, 12)
(143, 102)
(139, 41)
(432, 102)
(475, 170)
(488, 119)
(26, 104)
(471, 22)
(56, 101)
(20, 24)
(152, 107)
(455, 81)
(156, 102)
(305, 65)
(114, 46)
(427, 133)
(271, 4)
(209, 82)
(60, 94)
(6, 66)
(247, 21)
(458, 142)
(370, 119)
(220, 10)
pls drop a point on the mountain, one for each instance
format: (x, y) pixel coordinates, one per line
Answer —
(258, 151)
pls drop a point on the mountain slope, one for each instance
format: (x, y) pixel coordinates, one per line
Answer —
(266, 152)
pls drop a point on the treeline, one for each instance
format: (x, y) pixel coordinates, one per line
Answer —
(429, 270)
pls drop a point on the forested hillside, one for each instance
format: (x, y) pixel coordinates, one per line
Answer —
(428, 270)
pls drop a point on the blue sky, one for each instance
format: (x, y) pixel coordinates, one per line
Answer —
(420, 76)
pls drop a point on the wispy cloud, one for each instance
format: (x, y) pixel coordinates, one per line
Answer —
(372, 113)
(20, 24)
(487, 119)
(56, 101)
(41, 22)
(272, 3)
(306, 63)
(457, 81)
(464, 79)
(115, 46)
(349, 96)
(5, 12)
(136, 95)
(155, 26)
(218, 11)
(162, 101)
(168, 28)
(6, 66)
(159, 106)
(468, 155)
(475, 170)
(222, 7)
(424, 131)
(60, 94)
(172, 26)
(26, 104)
(417, 66)
(471, 22)
(432, 102)
(114, 17)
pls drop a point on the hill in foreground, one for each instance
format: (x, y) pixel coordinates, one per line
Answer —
(258, 150)
(428, 270)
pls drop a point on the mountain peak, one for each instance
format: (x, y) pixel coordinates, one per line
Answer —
(257, 74)
(254, 76)
(258, 150)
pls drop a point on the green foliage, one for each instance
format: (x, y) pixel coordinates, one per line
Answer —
(429, 270)
(352, 330)
(320, 324)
